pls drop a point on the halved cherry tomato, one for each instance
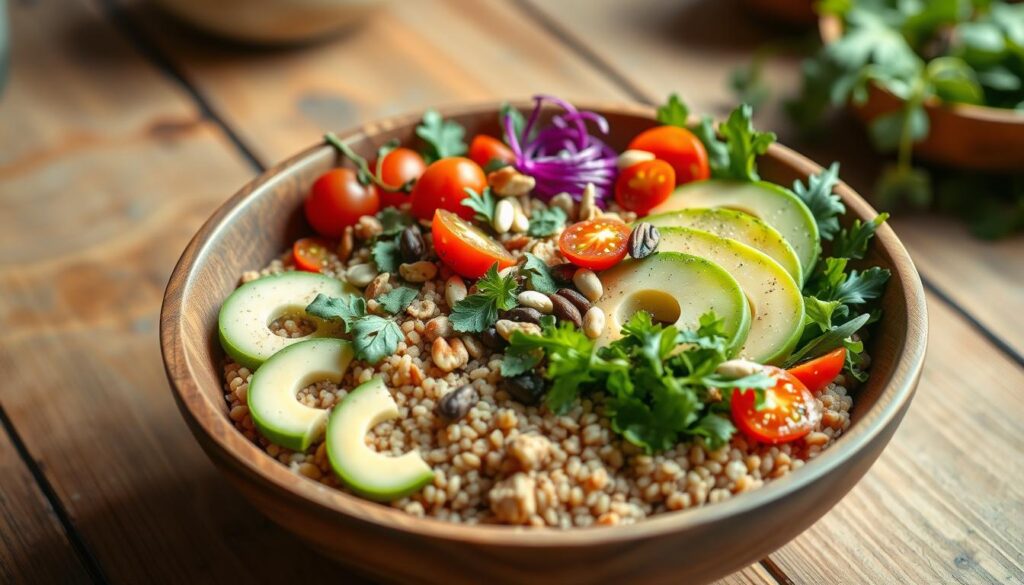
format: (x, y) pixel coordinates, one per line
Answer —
(465, 248)
(678, 147)
(597, 244)
(397, 168)
(790, 410)
(643, 186)
(337, 200)
(485, 148)
(310, 253)
(819, 372)
(443, 186)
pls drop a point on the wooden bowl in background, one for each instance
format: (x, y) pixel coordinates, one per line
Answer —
(794, 13)
(961, 135)
(693, 546)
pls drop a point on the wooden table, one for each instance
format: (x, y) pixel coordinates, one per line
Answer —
(120, 133)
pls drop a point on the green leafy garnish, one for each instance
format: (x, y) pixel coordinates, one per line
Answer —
(373, 337)
(386, 255)
(547, 222)
(674, 112)
(398, 299)
(443, 138)
(744, 145)
(823, 203)
(538, 275)
(853, 242)
(478, 311)
(831, 339)
(393, 220)
(482, 204)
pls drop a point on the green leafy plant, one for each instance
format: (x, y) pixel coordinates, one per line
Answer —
(442, 138)
(547, 222)
(373, 337)
(479, 311)
(482, 204)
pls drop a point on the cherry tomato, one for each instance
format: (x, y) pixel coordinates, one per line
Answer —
(310, 253)
(443, 186)
(790, 410)
(398, 167)
(485, 148)
(678, 147)
(337, 201)
(597, 244)
(643, 186)
(465, 248)
(819, 372)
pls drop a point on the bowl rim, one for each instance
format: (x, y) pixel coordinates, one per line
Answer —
(830, 29)
(208, 418)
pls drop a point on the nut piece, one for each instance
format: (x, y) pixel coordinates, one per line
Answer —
(523, 315)
(593, 322)
(449, 355)
(535, 300)
(738, 368)
(564, 310)
(421, 271)
(643, 240)
(506, 327)
(579, 301)
(520, 221)
(346, 244)
(454, 290)
(566, 203)
(588, 203)
(411, 244)
(439, 326)
(360, 275)
(380, 285)
(504, 216)
(631, 157)
(530, 450)
(514, 500)
(455, 404)
(368, 227)
(508, 182)
(473, 346)
(588, 283)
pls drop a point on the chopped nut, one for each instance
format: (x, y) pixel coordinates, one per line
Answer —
(454, 290)
(514, 500)
(378, 286)
(738, 368)
(588, 203)
(439, 326)
(565, 202)
(449, 355)
(421, 271)
(508, 182)
(346, 244)
(360, 275)
(505, 328)
(368, 227)
(530, 450)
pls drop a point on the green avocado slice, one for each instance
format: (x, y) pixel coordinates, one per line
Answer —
(775, 205)
(738, 226)
(675, 288)
(272, 395)
(244, 317)
(775, 301)
(371, 474)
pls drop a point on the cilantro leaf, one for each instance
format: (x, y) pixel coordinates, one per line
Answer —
(824, 205)
(479, 311)
(718, 153)
(547, 222)
(853, 242)
(827, 341)
(443, 138)
(375, 338)
(482, 203)
(386, 255)
(674, 112)
(393, 221)
(744, 144)
(715, 428)
(347, 308)
(538, 275)
(398, 299)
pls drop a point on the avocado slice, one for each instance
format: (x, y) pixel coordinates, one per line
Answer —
(371, 474)
(675, 288)
(736, 225)
(776, 304)
(244, 317)
(776, 206)
(273, 391)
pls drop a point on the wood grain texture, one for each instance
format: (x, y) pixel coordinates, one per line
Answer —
(705, 543)
(410, 55)
(33, 545)
(692, 47)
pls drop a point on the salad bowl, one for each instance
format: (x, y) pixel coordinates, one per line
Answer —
(691, 546)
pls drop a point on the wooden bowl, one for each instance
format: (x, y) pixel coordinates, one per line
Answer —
(693, 546)
(794, 13)
(961, 135)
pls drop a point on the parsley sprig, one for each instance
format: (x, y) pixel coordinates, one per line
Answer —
(442, 138)
(480, 310)
(373, 337)
(482, 204)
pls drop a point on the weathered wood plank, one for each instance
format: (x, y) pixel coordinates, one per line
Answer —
(33, 545)
(107, 169)
(692, 47)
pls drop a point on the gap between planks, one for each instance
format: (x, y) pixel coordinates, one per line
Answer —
(570, 40)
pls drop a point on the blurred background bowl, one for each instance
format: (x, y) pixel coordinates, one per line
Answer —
(271, 22)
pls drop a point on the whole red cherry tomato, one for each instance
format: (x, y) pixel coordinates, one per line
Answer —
(337, 200)
(678, 147)
(645, 185)
(443, 186)
(485, 149)
(397, 168)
